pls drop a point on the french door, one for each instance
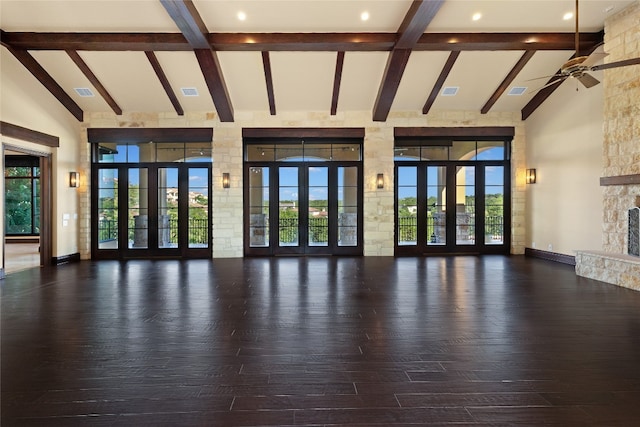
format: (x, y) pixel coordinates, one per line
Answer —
(303, 208)
(452, 207)
(152, 210)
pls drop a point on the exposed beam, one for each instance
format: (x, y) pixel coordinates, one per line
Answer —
(337, 79)
(94, 81)
(415, 22)
(259, 133)
(215, 82)
(454, 132)
(47, 81)
(258, 42)
(190, 23)
(418, 17)
(620, 180)
(140, 135)
(507, 80)
(153, 60)
(266, 64)
(453, 56)
(25, 134)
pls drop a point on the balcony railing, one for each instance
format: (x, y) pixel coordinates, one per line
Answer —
(408, 228)
(198, 230)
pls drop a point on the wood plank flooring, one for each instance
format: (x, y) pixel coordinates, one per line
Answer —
(468, 341)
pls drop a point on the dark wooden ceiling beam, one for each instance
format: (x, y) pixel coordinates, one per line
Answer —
(415, 22)
(47, 81)
(190, 23)
(453, 56)
(266, 65)
(337, 80)
(25, 134)
(258, 42)
(155, 64)
(75, 57)
(507, 80)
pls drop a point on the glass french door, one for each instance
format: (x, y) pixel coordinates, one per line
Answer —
(303, 208)
(153, 210)
(452, 207)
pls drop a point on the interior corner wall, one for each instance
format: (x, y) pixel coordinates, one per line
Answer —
(564, 145)
(25, 102)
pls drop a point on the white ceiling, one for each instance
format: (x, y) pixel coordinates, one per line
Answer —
(302, 81)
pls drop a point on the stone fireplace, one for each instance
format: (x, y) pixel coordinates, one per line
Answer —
(621, 157)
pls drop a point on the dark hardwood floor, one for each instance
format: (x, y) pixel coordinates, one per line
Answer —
(489, 340)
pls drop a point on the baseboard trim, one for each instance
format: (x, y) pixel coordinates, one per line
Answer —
(66, 259)
(550, 256)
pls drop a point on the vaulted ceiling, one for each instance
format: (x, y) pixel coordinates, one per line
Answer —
(306, 55)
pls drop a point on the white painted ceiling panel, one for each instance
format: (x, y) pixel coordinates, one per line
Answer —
(476, 76)
(244, 75)
(303, 16)
(419, 77)
(361, 76)
(60, 66)
(182, 71)
(303, 80)
(130, 79)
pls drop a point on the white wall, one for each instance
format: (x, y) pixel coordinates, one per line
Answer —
(25, 102)
(564, 145)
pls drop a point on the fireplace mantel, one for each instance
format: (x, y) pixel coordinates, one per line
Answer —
(620, 180)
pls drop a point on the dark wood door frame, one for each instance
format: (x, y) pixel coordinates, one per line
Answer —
(46, 203)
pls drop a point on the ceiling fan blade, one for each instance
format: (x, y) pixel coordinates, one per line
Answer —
(623, 63)
(596, 56)
(588, 80)
(551, 83)
(543, 77)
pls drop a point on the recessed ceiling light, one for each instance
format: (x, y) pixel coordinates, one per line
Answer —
(364, 16)
(517, 90)
(476, 16)
(84, 92)
(567, 16)
(189, 91)
(450, 91)
(242, 16)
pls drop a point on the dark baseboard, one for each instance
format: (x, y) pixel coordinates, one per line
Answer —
(10, 240)
(550, 256)
(66, 259)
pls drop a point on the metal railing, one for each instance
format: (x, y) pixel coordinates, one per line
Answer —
(198, 230)
(408, 228)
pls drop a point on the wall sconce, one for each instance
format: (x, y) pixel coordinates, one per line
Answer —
(74, 179)
(380, 180)
(531, 176)
(225, 180)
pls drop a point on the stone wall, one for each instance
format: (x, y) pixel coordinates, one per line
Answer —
(378, 158)
(621, 154)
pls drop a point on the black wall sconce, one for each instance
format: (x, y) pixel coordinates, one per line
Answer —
(380, 180)
(225, 180)
(531, 176)
(74, 179)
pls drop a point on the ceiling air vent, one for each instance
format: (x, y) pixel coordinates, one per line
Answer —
(450, 91)
(84, 92)
(517, 90)
(189, 91)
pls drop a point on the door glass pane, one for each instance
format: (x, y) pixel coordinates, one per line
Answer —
(407, 232)
(168, 207)
(348, 206)
(288, 206)
(259, 207)
(494, 205)
(198, 207)
(462, 150)
(465, 205)
(138, 208)
(436, 205)
(318, 206)
(107, 209)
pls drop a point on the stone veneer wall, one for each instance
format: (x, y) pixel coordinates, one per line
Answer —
(621, 152)
(378, 158)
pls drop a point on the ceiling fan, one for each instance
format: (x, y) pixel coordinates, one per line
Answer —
(579, 66)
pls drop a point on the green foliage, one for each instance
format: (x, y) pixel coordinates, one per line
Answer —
(22, 201)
